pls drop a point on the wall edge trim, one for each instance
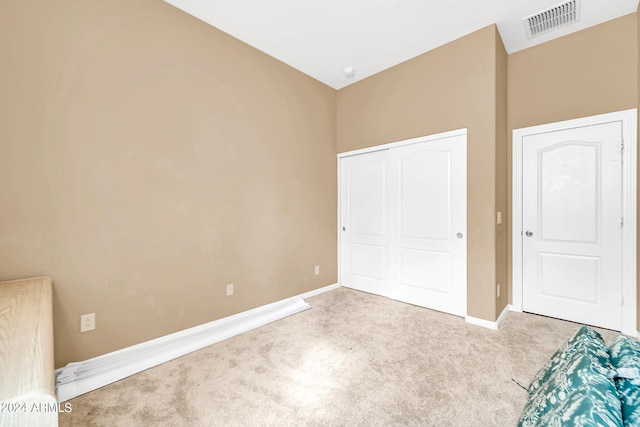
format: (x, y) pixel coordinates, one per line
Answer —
(401, 143)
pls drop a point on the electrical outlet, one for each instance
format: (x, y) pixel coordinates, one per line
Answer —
(498, 291)
(317, 270)
(230, 289)
(87, 322)
(499, 218)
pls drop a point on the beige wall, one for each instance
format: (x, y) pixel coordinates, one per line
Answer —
(502, 256)
(147, 160)
(448, 88)
(590, 72)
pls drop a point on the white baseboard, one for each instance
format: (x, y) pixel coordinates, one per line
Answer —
(486, 323)
(514, 308)
(319, 291)
(82, 377)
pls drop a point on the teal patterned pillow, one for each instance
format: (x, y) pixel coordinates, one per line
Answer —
(588, 406)
(625, 357)
(584, 362)
(584, 337)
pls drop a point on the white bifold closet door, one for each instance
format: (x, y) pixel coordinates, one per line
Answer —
(403, 221)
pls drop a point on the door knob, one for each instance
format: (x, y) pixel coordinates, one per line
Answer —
(529, 234)
(459, 235)
(344, 228)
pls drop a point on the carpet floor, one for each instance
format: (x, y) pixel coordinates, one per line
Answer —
(353, 359)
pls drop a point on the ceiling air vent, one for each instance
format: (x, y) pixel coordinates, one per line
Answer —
(551, 19)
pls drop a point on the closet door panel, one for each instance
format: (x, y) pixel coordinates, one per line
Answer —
(364, 205)
(427, 224)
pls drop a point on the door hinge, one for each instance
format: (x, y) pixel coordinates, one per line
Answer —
(621, 222)
(622, 300)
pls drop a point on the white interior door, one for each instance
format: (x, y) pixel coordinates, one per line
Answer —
(571, 222)
(364, 237)
(428, 217)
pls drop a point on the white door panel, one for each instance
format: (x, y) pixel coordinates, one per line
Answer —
(367, 197)
(424, 192)
(367, 260)
(428, 210)
(425, 271)
(570, 277)
(364, 219)
(571, 212)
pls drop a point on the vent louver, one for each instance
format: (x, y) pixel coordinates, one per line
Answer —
(552, 19)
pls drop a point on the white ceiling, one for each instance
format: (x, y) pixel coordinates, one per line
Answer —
(322, 37)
